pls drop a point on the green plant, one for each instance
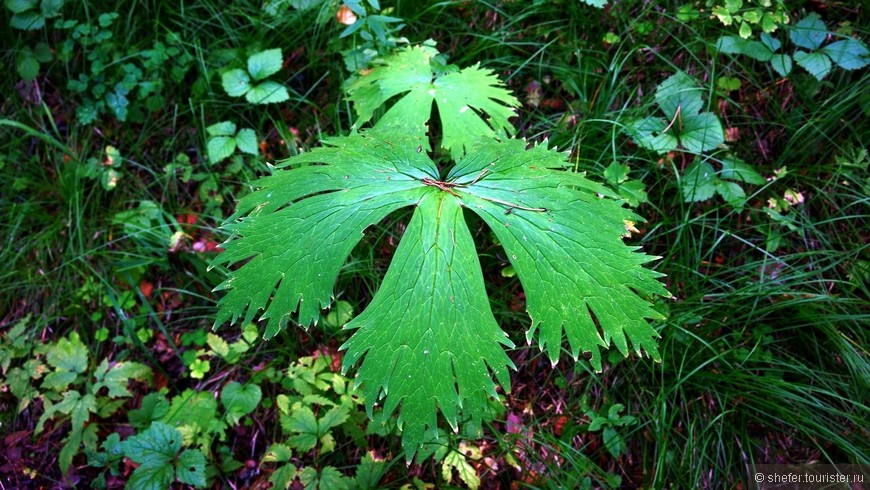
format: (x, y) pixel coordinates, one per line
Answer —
(766, 14)
(684, 125)
(32, 14)
(261, 65)
(807, 34)
(224, 140)
(608, 424)
(428, 340)
(701, 182)
(70, 392)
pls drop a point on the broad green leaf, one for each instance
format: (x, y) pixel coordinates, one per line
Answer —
(19, 6)
(154, 407)
(50, 8)
(246, 141)
(648, 133)
(156, 446)
(849, 54)
(327, 478)
(190, 468)
(772, 43)
(679, 90)
(28, 67)
(220, 148)
(265, 63)
(118, 376)
(151, 478)
(731, 192)
(701, 132)
(369, 472)
(267, 93)
(236, 82)
(809, 32)
(782, 64)
(736, 169)
(302, 424)
(278, 453)
(818, 64)
(69, 354)
(633, 191)
(283, 476)
(428, 341)
(679, 99)
(28, 21)
(223, 128)
(239, 400)
(459, 95)
(730, 45)
(699, 182)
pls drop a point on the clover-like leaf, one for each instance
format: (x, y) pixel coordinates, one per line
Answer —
(679, 98)
(470, 102)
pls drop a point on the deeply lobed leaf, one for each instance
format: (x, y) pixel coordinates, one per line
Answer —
(471, 102)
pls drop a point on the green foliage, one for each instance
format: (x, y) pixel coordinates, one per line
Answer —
(765, 15)
(684, 125)
(608, 425)
(130, 88)
(224, 140)
(156, 451)
(434, 345)
(808, 34)
(32, 14)
(460, 95)
(700, 182)
(239, 82)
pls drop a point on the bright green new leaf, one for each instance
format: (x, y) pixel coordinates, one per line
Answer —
(461, 97)
(809, 32)
(679, 98)
(265, 63)
(428, 340)
(69, 355)
(239, 400)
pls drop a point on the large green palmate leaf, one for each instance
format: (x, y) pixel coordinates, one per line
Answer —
(461, 97)
(428, 340)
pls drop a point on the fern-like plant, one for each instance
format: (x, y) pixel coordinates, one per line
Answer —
(428, 341)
